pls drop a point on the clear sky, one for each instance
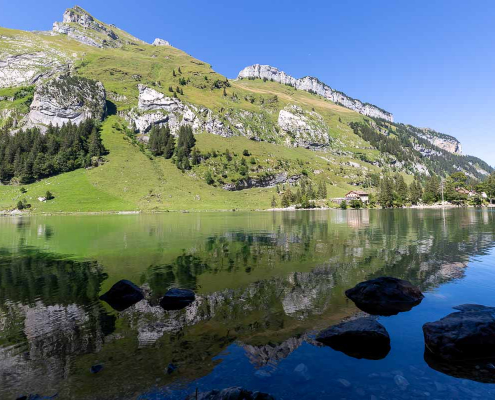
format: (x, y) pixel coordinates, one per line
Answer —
(431, 63)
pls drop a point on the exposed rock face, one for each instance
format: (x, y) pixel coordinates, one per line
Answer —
(67, 99)
(266, 181)
(232, 393)
(27, 69)
(445, 142)
(305, 129)
(385, 296)
(359, 338)
(175, 113)
(298, 127)
(79, 25)
(465, 335)
(160, 42)
(313, 85)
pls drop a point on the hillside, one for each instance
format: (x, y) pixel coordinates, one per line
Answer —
(252, 134)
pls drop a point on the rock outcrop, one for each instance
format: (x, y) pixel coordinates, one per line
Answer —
(465, 335)
(79, 25)
(262, 181)
(296, 127)
(67, 99)
(385, 296)
(303, 129)
(313, 85)
(29, 68)
(160, 42)
(442, 141)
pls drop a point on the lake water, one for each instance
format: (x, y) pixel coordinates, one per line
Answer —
(265, 284)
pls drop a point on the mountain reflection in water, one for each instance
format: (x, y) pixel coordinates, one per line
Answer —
(265, 283)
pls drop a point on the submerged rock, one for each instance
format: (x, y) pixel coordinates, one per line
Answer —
(177, 299)
(123, 295)
(359, 338)
(232, 393)
(385, 296)
(465, 335)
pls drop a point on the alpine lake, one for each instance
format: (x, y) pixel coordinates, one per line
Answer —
(266, 283)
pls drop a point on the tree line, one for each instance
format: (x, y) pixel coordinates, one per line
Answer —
(30, 155)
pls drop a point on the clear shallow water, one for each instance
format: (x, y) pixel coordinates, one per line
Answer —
(267, 282)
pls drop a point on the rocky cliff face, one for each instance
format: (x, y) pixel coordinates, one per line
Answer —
(445, 142)
(313, 85)
(23, 62)
(79, 25)
(160, 42)
(306, 129)
(67, 99)
(295, 127)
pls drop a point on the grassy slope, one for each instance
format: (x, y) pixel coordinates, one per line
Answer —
(131, 181)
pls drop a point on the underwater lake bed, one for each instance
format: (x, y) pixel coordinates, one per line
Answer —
(265, 285)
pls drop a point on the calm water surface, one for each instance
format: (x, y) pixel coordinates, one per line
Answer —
(266, 283)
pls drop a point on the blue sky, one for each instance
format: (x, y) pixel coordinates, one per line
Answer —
(430, 63)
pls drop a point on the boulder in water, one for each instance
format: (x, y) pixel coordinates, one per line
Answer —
(358, 338)
(465, 335)
(177, 299)
(385, 296)
(122, 295)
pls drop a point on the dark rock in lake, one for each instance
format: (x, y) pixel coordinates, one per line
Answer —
(465, 335)
(474, 370)
(96, 368)
(177, 299)
(385, 296)
(232, 393)
(122, 295)
(359, 338)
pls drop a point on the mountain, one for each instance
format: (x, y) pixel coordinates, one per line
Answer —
(263, 129)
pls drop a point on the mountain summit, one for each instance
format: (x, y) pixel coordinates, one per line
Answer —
(79, 25)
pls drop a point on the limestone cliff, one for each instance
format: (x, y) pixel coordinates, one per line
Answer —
(67, 99)
(313, 85)
(295, 127)
(445, 142)
(24, 62)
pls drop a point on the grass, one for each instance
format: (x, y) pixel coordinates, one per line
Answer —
(130, 180)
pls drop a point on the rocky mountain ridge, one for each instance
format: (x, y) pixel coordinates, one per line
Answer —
(313, 85)
(79, 25)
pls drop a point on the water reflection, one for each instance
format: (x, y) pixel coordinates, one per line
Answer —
(266, 283)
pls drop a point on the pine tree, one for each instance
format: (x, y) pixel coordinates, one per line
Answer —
(322, 190)
(402, 190)
(432, 189)
(274, 201)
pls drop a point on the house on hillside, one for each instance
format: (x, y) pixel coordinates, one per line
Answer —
(357, 195)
